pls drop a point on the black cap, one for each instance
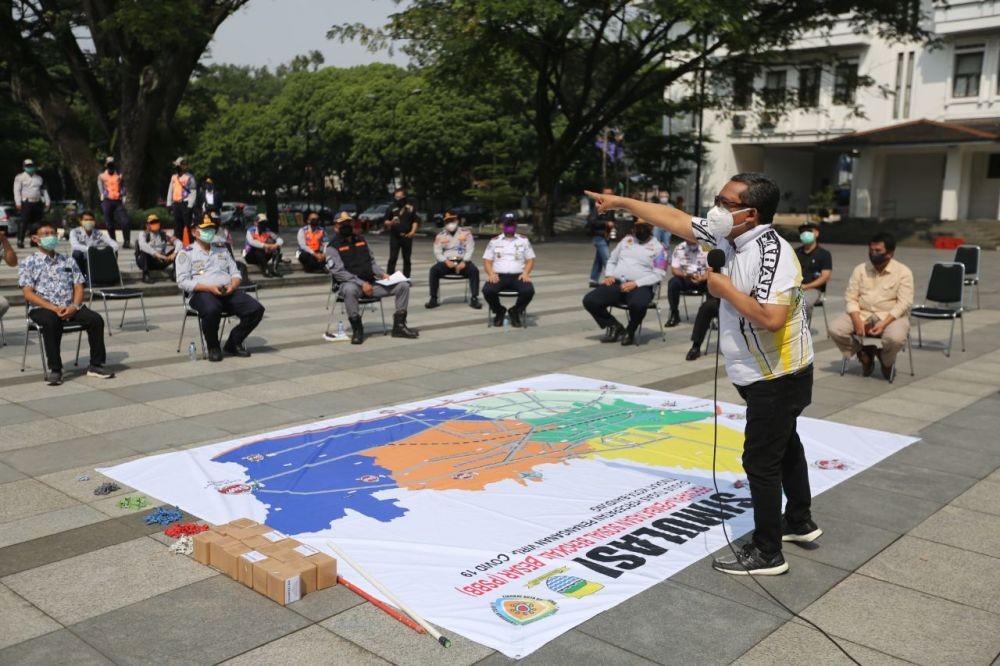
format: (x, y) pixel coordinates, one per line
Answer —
(807, 226)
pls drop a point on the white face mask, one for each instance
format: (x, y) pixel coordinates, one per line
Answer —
(720, 221)
(451, 227)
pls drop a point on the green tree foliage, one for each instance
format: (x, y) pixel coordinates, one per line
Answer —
(585, 63)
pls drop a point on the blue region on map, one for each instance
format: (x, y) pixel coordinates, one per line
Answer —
(310, 479)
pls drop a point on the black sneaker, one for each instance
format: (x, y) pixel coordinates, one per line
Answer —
(750, 561)
(693, 354)
(99, 372)
(55, 378)
(475, 304)
(804, 533)
(431, 304)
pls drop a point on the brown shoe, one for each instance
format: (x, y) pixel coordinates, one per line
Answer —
(867, 363)
(886, 369)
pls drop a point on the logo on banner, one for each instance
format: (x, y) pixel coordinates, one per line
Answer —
(521, 610)
(568, 586)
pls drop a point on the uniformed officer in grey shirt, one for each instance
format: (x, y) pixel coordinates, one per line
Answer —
(637, 264)
(208, 273)
(86, 236)
(31, 199)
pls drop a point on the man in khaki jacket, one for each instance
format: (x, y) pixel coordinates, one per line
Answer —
(879, 297)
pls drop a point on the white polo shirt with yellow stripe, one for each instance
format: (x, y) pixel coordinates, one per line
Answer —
(762, 264)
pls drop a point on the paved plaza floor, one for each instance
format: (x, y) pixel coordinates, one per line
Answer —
(908, 570)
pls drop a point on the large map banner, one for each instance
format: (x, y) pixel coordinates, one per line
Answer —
(509, 514)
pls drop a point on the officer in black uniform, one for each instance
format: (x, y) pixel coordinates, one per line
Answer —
(401, 222)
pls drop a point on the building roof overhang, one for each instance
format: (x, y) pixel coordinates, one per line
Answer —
(921, 132)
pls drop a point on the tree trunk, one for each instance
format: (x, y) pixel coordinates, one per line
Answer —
(546, 204)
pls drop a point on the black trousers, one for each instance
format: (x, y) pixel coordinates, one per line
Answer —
(604, 296)
(147, 262)
(397, 243)
(115, 215)
(708, 311)
(261, 257)
(508, 282)
(674, 288)
(211, 308)
(182, 219)
(310, 263)
(52, 332)
(32, 212)
(439, 270)
(773, 457)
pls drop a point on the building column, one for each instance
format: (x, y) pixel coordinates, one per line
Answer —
(865, 180)
(955, 189)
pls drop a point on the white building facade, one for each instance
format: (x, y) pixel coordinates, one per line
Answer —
(927, 144)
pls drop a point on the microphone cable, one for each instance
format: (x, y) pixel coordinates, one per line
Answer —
(722, 515)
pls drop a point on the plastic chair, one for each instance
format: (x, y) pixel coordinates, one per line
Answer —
(969, 256)
(68, 327)
(653, 305)
(104, 280)
(946, 288)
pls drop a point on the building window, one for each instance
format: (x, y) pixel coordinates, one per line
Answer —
(898, 100)
(993, 166)
(909, 85)
(845, 83)
(968, 71)
(774, 88)
(809, 87)
(743, 89)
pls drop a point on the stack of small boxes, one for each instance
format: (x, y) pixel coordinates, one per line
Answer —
(265, 560)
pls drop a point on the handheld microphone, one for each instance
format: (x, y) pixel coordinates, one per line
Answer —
(716, 259)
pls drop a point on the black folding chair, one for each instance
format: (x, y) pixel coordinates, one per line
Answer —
(246, 284)
(104, 280)
(821, 303)
(3, 333)
(68, 327)
(947, 289)
(685, 294)
(364, 301)
(653, 305)
(969, 256)
(506, 293)
(449, 277)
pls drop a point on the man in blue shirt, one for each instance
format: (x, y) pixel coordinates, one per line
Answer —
(52, 285)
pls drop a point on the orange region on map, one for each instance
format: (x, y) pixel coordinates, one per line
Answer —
(469, 455)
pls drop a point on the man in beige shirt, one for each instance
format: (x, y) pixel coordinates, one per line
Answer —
(879, 297)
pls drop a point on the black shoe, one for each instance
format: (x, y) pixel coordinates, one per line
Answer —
(399, 327)
(629, 338)
(431, 304)
(693, 354)
(214, 354)
(128, 245)
(55, 377)
(99, 372)
(20, 245)
(592, 284)
(146, 278)
(750, 561)
(357, 330)
(515, 318)
(236, 350)
(475, 304)
(614, 334)
(675, 318)
(498, 316)
(804, 533)
(867, 362)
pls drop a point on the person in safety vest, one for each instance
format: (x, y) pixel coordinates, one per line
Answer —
(156, 250)
(112, 190)
(263, 247)
(312, 245)
(181, 195)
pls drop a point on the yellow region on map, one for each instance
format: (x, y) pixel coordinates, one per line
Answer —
(684, 445)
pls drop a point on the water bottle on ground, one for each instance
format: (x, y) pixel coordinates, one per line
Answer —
(506, 322)
(192, 352)
(340, 329)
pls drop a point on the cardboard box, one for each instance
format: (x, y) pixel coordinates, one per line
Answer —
(277, 547)
(245, 564)
(215, 547)
(256, 542)
(305, 569)
(260, 570)
(326, 566)
(225, 558)
(283, 584)
(274, 536)
(201, 542)
(240, 523)
(244, 533)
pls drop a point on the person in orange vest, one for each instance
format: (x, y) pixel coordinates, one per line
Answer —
(263, 247)
(312, 245)
(112, 191)
(181, 195)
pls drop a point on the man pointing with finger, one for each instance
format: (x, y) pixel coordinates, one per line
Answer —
(768, 350)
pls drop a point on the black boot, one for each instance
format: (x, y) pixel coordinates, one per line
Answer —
(498, 316)
(675, 318)
(433, 303)
(146, 277)
(629, 338)
(357, 330)
(399, 327)
(614, 332)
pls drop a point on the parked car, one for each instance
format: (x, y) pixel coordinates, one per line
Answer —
(228, 210)
(372, 216)
(472, 212)
(5, 219)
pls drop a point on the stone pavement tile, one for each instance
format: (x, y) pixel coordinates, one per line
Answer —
(671, 623)
(65, 405)
(249, 419)
(230, 379)
(312, 645)
(932, 453)
(333, 381)
(278, 389)
(983, 497)
(237, 620)
(97, 582)
(29, 497)
(116, 418)
(322, 604)
(388, 638)
(845, 544)
(50, 522)
(937, 385)
(914, 481)
(954, 434)
(11, 413)
(860, 416)
(22, 392)
(973, 419)
(995, 476)
(63, 545)
(20, 621)
(22, 435)
(108, 506)
(287, 370)
(798, 644)
(177, 433)
(130, 377)
(806, 582)
(571, 649)
(157, 389)
(907, 624)
(65, 481)
(874, 506)
(200, 403)
(930, 397)
(944, 571)
(61, 647)
(70, 454)
(8, 474)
